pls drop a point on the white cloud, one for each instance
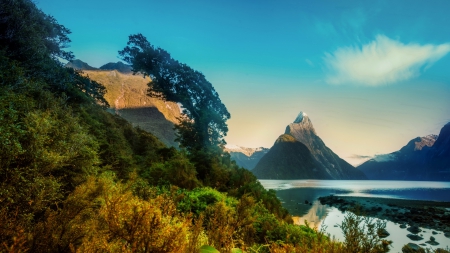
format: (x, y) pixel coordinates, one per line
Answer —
(381, 62)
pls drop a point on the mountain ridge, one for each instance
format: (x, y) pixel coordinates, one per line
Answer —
(422, 158)
(246, 157)
(81, 65)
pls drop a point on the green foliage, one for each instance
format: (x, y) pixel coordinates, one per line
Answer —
(34, 42)
(28, 34)
(42, 143)
(208, 249)
(197, 200)
(178, 170)
(361, 234)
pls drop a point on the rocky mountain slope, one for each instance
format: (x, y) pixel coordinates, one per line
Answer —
(423, 158)
(288, 159)
(246, 157)
(296, 162)
(127, 97)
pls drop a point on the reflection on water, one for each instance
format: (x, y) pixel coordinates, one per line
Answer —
(421, 190)
(314, 216)
(397, 235)
(299, 197)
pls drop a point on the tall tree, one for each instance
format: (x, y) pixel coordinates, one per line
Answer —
(28, 34)
(37, 42)
(203, 125)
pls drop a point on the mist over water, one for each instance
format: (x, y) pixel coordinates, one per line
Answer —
(299, 197)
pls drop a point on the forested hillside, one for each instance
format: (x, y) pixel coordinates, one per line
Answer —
(75, 178)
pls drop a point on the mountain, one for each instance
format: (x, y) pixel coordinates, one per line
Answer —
(79, 65)
(423, 158)
(326, 165)
(246, 157)
(119, 66)
(288, 159)
(127, 97)
(401, 164)
(438, 158)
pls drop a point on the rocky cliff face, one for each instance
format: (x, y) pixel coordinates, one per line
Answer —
(246, 157)
(325, 163)
(127, 97)
(288, 159)
(423, 158)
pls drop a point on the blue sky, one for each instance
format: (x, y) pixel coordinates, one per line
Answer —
(371, 75)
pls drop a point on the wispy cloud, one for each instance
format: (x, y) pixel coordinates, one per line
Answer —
(382, 61)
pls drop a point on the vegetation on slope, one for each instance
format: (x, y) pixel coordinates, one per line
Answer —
(127, 97)
(74, 178)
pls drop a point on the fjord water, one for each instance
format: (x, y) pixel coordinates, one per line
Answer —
(294, 193)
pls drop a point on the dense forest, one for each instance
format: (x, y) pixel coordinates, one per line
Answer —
(75, 178)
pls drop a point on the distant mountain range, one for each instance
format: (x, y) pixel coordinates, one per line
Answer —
(79, 65)
(300, 154)
(246, 157)
(119, 66)
(127, 97)
(423, 158)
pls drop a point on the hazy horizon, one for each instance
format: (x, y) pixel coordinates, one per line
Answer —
(370, 75)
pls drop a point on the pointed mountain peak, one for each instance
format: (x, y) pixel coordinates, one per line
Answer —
(301, 125)
(300, 117)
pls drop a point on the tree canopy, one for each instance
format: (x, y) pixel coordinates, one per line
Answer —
(204, 124)
(36, 42)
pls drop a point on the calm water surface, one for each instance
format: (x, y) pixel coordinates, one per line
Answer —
(293, 194)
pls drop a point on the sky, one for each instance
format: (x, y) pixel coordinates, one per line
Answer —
(371, 75)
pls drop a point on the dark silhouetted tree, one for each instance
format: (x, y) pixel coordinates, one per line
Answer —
(203, 124)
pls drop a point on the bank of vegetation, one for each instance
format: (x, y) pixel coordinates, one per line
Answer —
(75, 178)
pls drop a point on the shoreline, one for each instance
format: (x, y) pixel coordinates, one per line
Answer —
(408, 213)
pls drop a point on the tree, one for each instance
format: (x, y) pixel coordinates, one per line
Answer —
(203, 124)
(36, 42)
(28, 34)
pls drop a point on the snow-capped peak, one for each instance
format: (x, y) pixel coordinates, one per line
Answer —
(300, 117)
(244, 150)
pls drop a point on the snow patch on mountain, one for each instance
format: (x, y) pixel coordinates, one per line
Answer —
(246, 151)
(300, 117)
